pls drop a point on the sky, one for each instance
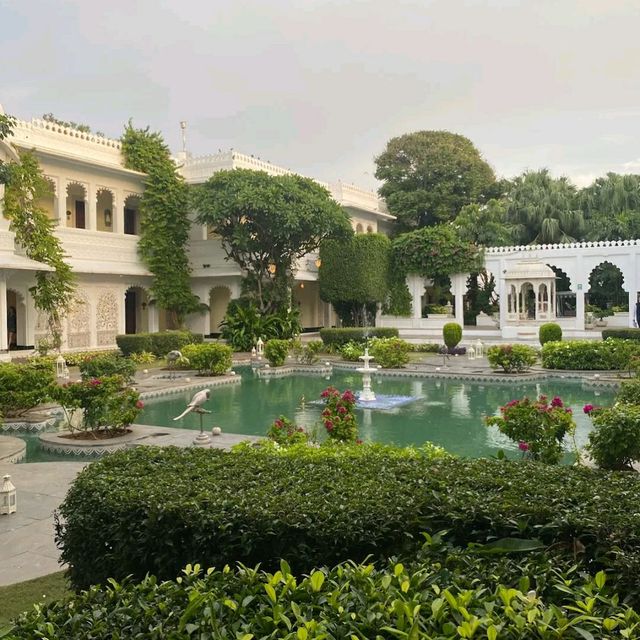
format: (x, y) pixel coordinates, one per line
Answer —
(320, 86)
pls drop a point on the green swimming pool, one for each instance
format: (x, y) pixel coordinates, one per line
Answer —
(448, 413)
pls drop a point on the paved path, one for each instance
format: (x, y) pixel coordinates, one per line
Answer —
(27, 548)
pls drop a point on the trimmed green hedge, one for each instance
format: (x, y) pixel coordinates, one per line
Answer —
(339, 337)
(211, 358)
(23, 387)
(589, 355)
(107, 365)
(622, 334)
(158, 343)
(549, 332)
(151, 510)
(352, 601)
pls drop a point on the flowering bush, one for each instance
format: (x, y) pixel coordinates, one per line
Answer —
(513, 358)
(352, 351)
(390, 353)
(539, 426)
(105, 404)
(285, 432)
(615, 441)
(338, 416)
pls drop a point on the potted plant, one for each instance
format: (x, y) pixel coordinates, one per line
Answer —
(600, 315)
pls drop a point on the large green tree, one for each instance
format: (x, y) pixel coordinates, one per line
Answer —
(428, 176)
(266, 223)
(164, 225)
(354, 276)
(544, 209)
(485, 224)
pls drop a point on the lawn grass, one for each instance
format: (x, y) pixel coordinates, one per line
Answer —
(16, 598)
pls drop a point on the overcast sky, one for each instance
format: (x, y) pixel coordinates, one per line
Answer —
(319, 86)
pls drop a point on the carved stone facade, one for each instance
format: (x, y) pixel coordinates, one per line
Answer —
(78, 323)
(107, 318)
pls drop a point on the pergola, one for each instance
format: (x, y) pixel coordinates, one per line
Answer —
(531, 291)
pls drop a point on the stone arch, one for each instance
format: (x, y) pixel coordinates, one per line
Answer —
(48, 200)
(132, 214)
(359, 228)
(76, 194)
(219, 297)
(136, 310)
(565, 298)
(105, 206)
(606, 286)
(78, 323)
(107, 318)
(369, 229)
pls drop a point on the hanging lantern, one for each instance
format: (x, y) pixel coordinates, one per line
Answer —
(272, 268)
(318, 262)
(7, 496)
(61, 365)
(302, 285)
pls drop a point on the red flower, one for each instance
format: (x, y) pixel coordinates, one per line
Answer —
(557, 402)
(342, 409)
(94, 382)
(523, 446)
(588, 408)
(139, 404)
(278, 424)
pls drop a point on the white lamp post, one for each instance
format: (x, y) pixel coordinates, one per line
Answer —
(61, 365)
(7, 496)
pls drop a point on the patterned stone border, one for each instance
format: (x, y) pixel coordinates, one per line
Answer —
(27, 426)
(201, 384)
(289, 369)
(17, 450)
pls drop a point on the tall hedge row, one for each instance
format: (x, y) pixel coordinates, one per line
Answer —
(589, 355)
(153, 510)
(339, 337)
(159, 343)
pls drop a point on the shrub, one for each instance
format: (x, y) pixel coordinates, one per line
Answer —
(307, 353)
(338, 416)
(513, 358)
(104, 404)
(285, 433)
(390, 353)
(107, 365)
(550, 332)
(621, 334)
(327, 505)
(587, 355)
(439, 599)
(339, 337)
(211, 358)
(615, 441)
(452, 334)
(76, 358)
(134, 343)
(23, 387)
(352, 351)
(275, 351)
(539, 427)
(165, 341)
(427, 347)
(629, 392)
(144, 357)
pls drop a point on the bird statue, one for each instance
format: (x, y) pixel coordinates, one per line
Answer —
(196, 404)
(175, 358)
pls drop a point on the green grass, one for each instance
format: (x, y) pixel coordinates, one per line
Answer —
(16, 598)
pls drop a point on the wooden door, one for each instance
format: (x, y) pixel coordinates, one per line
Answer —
(80, 218)
(130, 305)
(130, 221)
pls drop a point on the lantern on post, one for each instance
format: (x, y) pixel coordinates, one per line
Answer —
(61, 365)
(260, 347)
(7, 496)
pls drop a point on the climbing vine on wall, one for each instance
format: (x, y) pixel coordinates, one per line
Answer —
(164, 225)
(53, 293)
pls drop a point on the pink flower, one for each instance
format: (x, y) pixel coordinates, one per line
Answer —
(278, 424)
(523, 446)
(557, 402)
(348, 396)
(325, 393)
(588, 408)
(94, 382)
(342, 410)
(568, 410)
(329, 425)
(139, 404)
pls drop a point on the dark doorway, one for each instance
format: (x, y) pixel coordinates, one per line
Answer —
(80, 221)
(130, 221)
(130, 305)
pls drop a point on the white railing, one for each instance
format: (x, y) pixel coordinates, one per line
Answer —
(568, 245)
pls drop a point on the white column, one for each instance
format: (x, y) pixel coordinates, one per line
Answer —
(503, 292)
(415, 284)
(30, 319)
(459, 286)
(62, 202)
(118, 213)
(580, 306)
(152, 315)
(121, 312)
(92, 219)
(3, 315)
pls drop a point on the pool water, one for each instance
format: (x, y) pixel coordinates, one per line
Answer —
(448, 413)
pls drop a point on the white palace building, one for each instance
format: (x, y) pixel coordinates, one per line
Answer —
(95, 202)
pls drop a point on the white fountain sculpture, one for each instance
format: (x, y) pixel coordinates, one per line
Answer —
(366, 395)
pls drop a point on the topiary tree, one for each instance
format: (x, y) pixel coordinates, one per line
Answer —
(550, 332)
(354, 276)
(452, 334)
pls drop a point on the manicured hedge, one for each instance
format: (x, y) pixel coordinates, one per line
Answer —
(107, 365)
(589, 355)
(622, 334)
(339, 337)
(213, 359)
(349, 601)
(155, 510)
(158, 343)
(23, 387)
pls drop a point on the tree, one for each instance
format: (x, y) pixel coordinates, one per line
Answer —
(485, 224)
(164, 225)
(544, 210)
(354, 276)
(266, 224)
(430, 175)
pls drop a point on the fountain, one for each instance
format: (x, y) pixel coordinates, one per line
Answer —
(367, 394)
